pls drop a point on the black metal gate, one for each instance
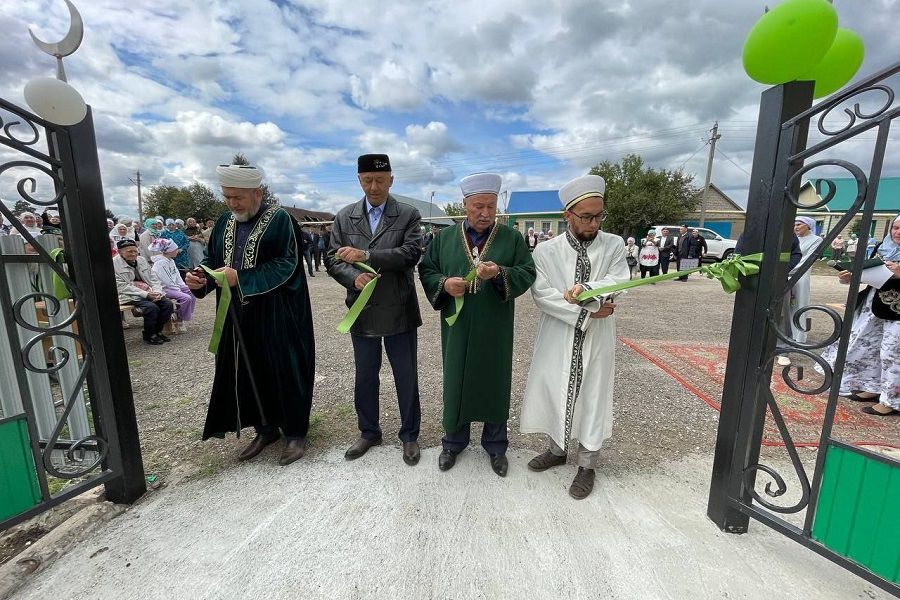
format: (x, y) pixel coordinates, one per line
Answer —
(68, 339)
(758, 337)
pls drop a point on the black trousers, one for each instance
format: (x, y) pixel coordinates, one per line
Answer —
(317, 257)
(494, 438)
(401, 352)
(155, 314)
(654, 270)
(664, 264)
(307, 254)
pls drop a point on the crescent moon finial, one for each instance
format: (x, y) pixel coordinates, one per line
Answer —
(66, 46)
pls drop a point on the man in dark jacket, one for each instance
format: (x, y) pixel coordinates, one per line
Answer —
(666, 248)
(387, 236)
(688, 247)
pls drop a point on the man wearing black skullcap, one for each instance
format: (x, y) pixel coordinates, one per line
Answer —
(386, 235)
(139, 286)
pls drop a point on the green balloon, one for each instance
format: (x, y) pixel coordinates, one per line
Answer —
(789, 40)
(839, 64)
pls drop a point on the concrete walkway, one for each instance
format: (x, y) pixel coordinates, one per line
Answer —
(375, 528)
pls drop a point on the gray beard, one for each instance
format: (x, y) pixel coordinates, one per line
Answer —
(244, 219)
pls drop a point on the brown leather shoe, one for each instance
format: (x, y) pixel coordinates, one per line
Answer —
(257, 445)
(546, 460)
(360, 447)
(293, 450)
(583, 484)
(411, 453)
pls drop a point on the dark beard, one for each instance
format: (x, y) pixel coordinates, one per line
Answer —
(587, 237)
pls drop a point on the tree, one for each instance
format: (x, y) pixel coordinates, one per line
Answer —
(639, 197)
(195, 200)
(268, 197)
(110, 214)
(22, 206)
(454, 209)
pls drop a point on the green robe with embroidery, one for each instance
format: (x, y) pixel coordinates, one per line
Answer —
(477, 351)
(272, 302)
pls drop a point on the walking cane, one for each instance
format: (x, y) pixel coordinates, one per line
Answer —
(240, 336)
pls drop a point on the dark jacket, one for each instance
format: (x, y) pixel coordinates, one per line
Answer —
(394, 250)
(667, 245)
(690, 246)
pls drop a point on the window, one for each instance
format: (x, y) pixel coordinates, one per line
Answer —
(545, 226)
(560, 227)
(528, 225)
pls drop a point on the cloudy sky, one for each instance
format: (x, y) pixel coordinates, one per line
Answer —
(536, 90)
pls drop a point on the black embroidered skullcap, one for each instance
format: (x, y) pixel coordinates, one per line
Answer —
(373, 163)
(125, 243)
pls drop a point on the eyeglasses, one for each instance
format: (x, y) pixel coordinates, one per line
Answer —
(587, 219)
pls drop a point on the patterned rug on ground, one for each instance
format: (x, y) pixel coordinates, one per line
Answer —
(700, 368)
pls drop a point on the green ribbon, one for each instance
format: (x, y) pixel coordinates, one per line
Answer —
(726, 272)
(361, 300)
(460, 300)
(60, 291)
(222, 310)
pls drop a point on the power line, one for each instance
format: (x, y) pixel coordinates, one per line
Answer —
(728, 158)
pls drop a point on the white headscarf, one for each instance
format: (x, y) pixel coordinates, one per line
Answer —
(889, 249)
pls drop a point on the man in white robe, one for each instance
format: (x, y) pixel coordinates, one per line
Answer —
(569, 391)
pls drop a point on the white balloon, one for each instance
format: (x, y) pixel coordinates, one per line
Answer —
(55, 101)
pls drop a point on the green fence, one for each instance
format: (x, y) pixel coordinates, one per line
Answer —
(857, 513)
(19, 488)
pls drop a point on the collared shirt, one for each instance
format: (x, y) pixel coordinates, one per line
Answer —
(475, 238)
(374, 213)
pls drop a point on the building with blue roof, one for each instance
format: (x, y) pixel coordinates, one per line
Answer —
(542, 211)
(887, 204)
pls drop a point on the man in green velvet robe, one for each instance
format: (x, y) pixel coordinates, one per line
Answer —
(477, 350)
(257, 247)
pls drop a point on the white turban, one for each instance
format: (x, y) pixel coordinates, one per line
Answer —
(581, 188)
(808, 221)
(239, 176)
(480, 183)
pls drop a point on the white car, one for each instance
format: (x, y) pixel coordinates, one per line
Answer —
(717, 247)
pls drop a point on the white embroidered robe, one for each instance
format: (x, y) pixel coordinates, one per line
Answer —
(570, 384)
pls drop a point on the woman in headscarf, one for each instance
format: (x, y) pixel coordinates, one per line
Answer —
(152, 230)
(804, 228)
(176, 235)
(872, 365)
(128, 222)
(632, 252)
(163, 252)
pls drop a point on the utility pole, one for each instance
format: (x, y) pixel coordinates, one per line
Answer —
(137, 182)
(712, 152)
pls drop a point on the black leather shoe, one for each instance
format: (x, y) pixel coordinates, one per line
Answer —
(257, 445)
(163, 337)
(446, 460)
(411, 453)
(499, 464)
(360, 447)
(153, 341)
(293, 450)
